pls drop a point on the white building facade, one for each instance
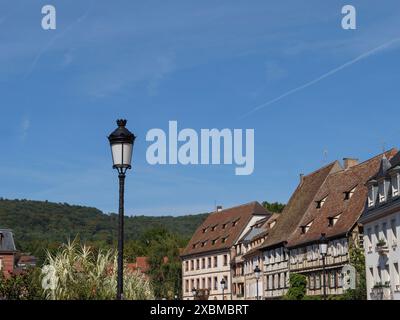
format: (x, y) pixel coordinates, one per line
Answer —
(381, 222)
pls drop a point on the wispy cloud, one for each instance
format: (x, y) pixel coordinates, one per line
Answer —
(24, 128)
(324, 76)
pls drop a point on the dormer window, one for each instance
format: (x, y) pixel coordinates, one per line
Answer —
(204, 243)
(372, 194)
(205, 229)
(234, 223)
(305, 228)
(320, 203)
(332, 220)
(223, 240)
(214, 227)
(396, 184)
(224, 226)
(214, 241)
(272, 224)
(383, 190)
(349, 194)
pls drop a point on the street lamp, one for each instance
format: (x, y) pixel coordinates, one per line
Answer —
(121, 142)
(323, 249)
(257, 273)
(223, 283)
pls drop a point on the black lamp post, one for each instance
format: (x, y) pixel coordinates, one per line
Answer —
(323, 249)
(257, 273)
(121, 142)
(223, 283)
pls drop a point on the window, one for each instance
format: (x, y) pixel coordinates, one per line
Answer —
(186, 265)
(214, 227)
(215, 262)
(226, 282)
(382, 191)
(369, 240)
(396, 277)
(349, 194)
(376, 231)
(187, 286)
(225, 259)
(305, 228)
(215, 283)
(317, 281)
(213, 242)
(209, 262)
(191, 264)
(224, 226)
(384, 230)
(371, 195)
(311, 281)
(203, 263)
(332, 279)
(320, 203)
(223, 240)
(197, 283)
(204, 243)
(205, 229)
(394, 231)
(209, 283)
(234, 223)
(197, 264)
(192, 283)
(332, 220)
(203, 283)
(395, 184)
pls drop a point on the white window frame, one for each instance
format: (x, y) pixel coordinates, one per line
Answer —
(396, 184)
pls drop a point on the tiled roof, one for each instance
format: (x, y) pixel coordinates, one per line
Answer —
(6, 241)
(334, 190)
(298, 203)
(221, 229)
(261, 231)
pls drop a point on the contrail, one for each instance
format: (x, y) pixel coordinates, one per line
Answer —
(310, 83)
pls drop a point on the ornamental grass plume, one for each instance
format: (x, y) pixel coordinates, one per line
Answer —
(78, 273)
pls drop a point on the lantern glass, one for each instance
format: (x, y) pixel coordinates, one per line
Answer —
(122, 155)
(323, 248)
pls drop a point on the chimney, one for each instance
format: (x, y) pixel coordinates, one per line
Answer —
(219, 208)
(349, 162)
(301, 178)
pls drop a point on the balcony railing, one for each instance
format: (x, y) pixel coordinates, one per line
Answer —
(381, 291)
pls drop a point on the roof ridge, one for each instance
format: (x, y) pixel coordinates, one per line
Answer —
(323, 168)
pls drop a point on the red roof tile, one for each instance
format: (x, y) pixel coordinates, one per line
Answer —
(212, 235)
(334, 189)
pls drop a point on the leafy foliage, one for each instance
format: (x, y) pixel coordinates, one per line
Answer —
(23, 286)
(298, 286)
(40, 226)
(357, 259)
(275, 207)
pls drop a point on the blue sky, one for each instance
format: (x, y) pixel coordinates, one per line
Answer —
(205, 64)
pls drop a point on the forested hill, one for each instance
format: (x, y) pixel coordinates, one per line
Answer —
(41, 224)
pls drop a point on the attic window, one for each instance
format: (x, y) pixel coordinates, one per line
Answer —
(305, 228)
(224, 226)
(349, 194)
(194, 245)
(332, 220)
(204, 243)
(320, 203)
(205, 229)
(272, 224)
(234, 223)
(214, 227)
(214, 241)
(223, 240)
